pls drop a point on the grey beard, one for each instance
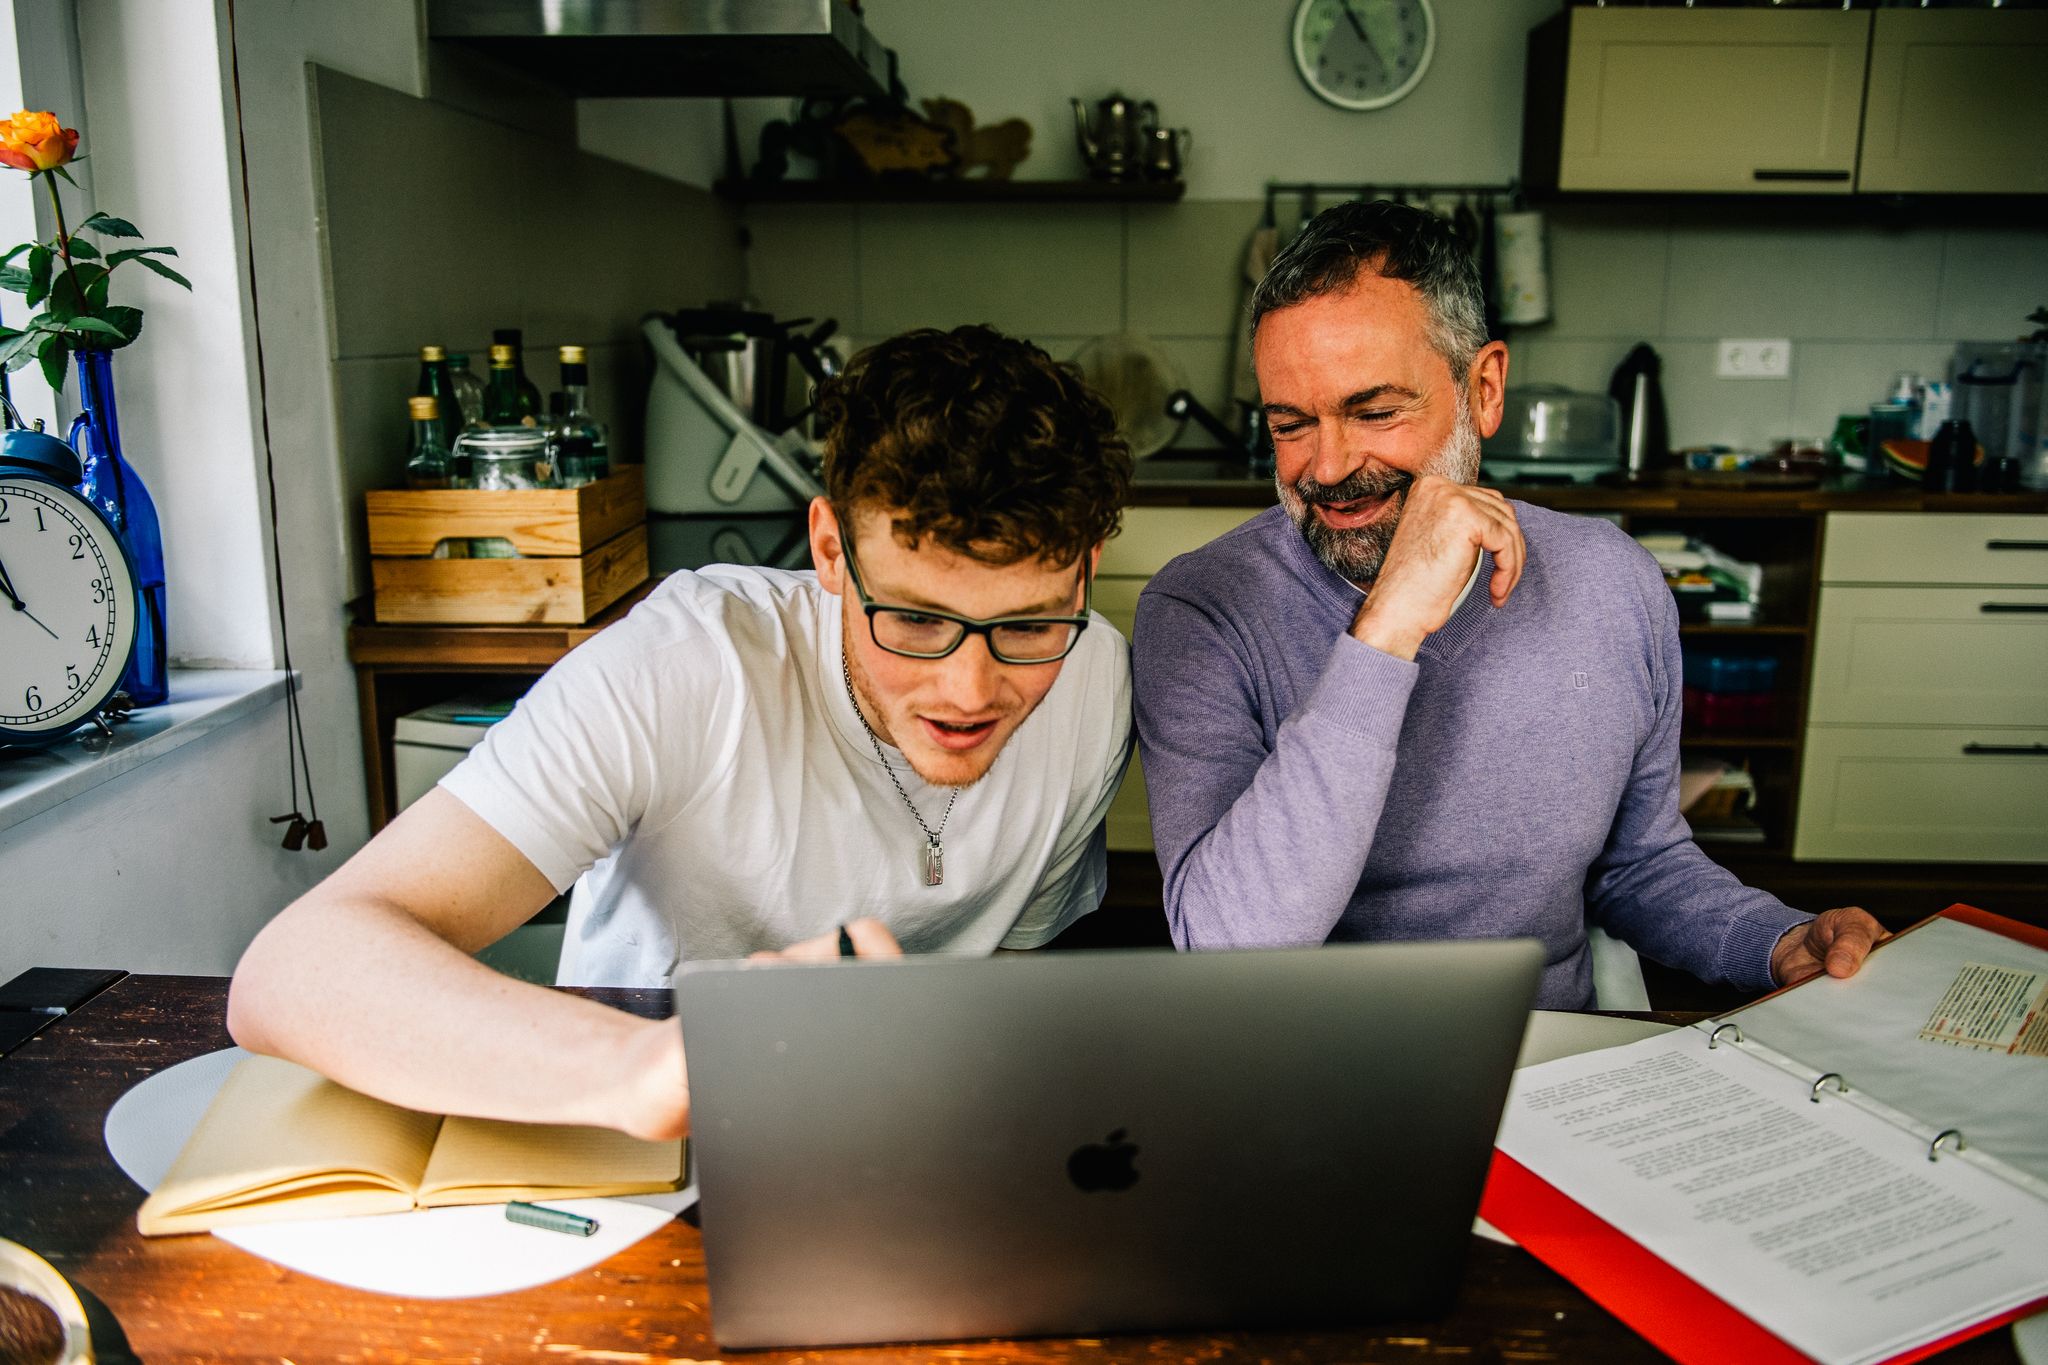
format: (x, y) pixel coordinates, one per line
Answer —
(1357, 555)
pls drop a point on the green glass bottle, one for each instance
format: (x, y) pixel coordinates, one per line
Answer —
(429, 465)
(503, 405)
(437, 382)
(529, 392)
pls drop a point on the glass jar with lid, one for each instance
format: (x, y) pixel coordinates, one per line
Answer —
(507, 457)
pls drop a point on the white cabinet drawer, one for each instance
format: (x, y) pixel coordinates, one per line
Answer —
(1918, 656)
(1153, 535)
(1924, 794)
(1935, 547)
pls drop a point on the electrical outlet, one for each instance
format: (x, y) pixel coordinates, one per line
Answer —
(1768, 358)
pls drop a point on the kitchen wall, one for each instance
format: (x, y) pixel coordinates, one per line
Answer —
(1860, 296)
(484, 224)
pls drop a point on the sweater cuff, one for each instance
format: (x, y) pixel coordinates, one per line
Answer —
(1746, 952)
(1363, 691)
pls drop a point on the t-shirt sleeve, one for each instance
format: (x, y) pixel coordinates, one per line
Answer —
(1077, 876)
(580, 761)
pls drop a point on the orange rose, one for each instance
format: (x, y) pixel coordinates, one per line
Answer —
(36, 141)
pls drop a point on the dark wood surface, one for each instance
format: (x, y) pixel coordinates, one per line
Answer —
(199, 1299)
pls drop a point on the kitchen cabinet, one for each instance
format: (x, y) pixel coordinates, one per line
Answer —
(1770, 101)
(1954, 103)
(1927, 731)
(1715, 101)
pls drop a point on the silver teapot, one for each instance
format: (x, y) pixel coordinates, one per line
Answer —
(1115, 140)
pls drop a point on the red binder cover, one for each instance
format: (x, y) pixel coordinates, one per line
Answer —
(1670, 1309)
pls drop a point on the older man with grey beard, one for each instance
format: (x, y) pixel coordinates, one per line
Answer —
(1345, 740)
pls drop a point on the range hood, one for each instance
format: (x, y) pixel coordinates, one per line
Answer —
(595, 48)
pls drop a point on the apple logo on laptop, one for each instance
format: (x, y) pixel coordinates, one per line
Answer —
(1105, 1165)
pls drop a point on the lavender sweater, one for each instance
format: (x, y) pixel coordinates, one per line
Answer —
(1520, 777)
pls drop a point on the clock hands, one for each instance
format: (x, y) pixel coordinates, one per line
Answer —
(7, 587)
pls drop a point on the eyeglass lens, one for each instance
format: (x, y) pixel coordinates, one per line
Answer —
(910, 632)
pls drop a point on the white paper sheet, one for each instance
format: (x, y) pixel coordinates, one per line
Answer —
(1824, 1224)
(449, 1253)
(1867, 1027)
(1559, 1033)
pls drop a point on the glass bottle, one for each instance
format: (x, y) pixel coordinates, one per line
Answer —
(503, 404)
(428, 467)
(469, 390)
(112, 486)
(529, 392)
(582, 451)
(438, 383)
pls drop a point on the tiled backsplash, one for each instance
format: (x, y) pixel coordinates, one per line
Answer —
(1859, 302)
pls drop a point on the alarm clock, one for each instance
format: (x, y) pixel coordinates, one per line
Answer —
(1363, 54)
(68, 606)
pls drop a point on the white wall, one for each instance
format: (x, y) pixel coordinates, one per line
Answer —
(159, 150)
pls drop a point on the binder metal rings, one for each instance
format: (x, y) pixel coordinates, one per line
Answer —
(1714, 1038)
(1934, 1147)
(1841, 1086)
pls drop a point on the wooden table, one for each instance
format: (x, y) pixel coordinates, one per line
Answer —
(200, 1299)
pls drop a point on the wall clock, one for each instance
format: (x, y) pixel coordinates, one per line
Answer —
(67, 596)
(1363, 54)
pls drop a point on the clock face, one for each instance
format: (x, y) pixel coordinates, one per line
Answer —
(1363, 54)
(67, 609)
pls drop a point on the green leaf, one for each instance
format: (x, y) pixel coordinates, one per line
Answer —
(160, 268)
(38, 274)
(134, 253)
(107, 225)
(13, 279)
(15, 252)
(82, 250)
(53, 356)
(100, 327)
(93, 280)
(17, 349)
(63, 174)
(127, 321)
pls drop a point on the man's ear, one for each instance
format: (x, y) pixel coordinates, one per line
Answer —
(828, 554)
(1488, 387)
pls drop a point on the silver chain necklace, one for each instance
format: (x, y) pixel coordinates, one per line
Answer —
(934, 851)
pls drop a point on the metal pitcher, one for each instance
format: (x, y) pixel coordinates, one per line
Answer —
(1165, 151)
(1113, 142)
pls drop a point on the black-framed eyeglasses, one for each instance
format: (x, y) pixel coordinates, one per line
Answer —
(927, 633)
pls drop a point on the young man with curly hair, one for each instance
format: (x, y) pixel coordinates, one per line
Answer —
(917, 740)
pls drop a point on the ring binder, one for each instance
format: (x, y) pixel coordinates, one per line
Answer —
(1934, 1147)
(1841, 1086)
(1714, 1038)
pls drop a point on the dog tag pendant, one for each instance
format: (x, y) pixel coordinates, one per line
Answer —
(934, 861)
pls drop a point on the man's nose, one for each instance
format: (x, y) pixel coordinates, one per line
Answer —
(1341, 451)
(970, 679)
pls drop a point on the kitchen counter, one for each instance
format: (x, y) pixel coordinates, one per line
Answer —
(1211, 481)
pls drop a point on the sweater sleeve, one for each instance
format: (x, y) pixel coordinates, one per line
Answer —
(1259, 846)
(1651, 886)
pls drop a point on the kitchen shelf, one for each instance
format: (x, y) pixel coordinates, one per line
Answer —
(951, 191)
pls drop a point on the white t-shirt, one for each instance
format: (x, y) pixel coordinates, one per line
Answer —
(700, 769)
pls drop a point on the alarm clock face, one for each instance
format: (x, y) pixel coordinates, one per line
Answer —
(67, 610)
(1363, 54)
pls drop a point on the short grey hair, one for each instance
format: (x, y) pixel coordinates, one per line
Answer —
(1399, 243)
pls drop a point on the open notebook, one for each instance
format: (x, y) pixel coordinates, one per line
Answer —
(279, 1142)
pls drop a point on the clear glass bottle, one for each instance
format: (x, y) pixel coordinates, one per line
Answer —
(508, 457)
(431, 455)
(529, 392)
(580, 447)
(469, 390)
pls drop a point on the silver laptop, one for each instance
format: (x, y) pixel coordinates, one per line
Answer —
(1079, 1143)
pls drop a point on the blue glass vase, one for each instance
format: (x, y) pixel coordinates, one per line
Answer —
(112, 486)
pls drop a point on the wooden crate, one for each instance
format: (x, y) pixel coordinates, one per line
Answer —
(581, 550)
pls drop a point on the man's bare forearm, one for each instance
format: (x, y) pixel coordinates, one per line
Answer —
(362, 992)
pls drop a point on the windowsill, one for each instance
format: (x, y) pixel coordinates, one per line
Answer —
(202, 700)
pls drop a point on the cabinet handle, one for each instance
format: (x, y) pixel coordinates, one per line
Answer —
(1800, 175)
(2015, 607)
(2008, 750)
(2016, 544)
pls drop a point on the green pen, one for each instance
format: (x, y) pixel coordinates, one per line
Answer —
(554, 1220)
